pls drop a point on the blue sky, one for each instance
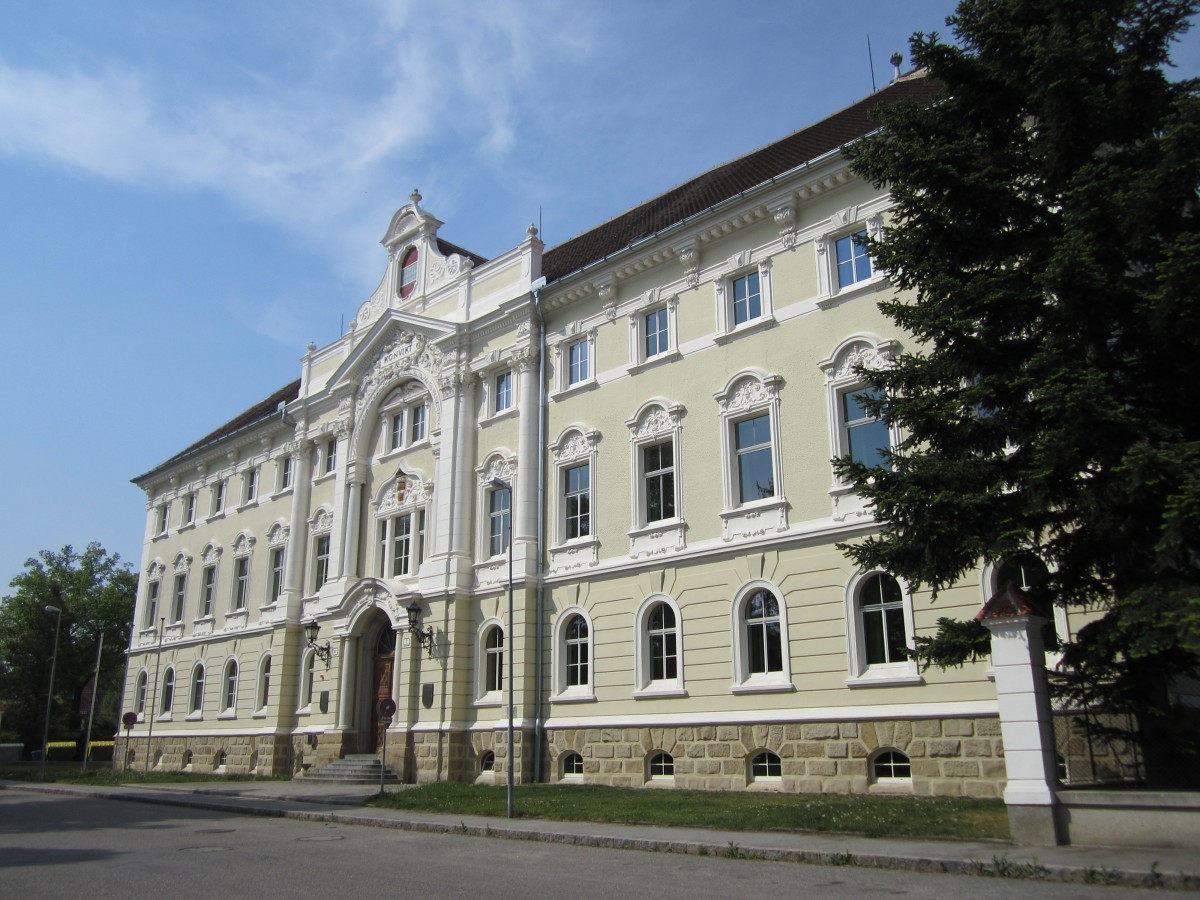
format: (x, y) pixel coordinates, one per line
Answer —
(192, 191)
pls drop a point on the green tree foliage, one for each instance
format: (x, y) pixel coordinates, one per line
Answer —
(1045, 237)
(96, 594)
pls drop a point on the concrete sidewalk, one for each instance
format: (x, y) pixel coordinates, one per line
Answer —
(343, 804)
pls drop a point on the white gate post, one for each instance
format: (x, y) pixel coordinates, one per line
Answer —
(1023, 697)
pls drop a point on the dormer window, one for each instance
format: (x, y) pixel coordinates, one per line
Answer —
(408, 273)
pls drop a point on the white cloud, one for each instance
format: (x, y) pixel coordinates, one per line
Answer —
(316, 156)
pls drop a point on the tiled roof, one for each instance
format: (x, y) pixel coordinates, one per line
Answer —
(264, 409)
(446, 249)
(730, 179)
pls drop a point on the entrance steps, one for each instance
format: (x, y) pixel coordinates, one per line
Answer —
(354, 768)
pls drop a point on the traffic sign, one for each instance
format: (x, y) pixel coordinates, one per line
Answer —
(129, 719)
(387, 707)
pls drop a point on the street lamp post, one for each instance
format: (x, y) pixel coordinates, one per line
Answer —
(501, 483)
(50, 690)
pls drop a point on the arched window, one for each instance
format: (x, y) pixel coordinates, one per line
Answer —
(487, 763)
(168, 691)
(187, 760)
(494, 653)
(229, 693)
(765, 766)
(572, 673)
(664, 643)
(662, 765)
(264, 683)
(572, 765)
(139, 694)
(881, 607)
(577, 651)
(197, 705)
(307, 678)
(761, 656)
(891, 766)
(659, 648)
(408, 272)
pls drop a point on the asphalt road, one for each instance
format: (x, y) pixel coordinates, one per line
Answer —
(54, 846)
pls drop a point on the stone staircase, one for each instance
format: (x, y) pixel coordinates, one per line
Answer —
(354, 768)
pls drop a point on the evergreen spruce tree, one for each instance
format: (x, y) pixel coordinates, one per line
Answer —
(1045, 241)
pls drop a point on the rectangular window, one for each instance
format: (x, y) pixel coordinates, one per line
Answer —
(755, 468)
(321, 560)
(251, 484)
(658, 473)
(577, 362)
(401, 545)
(209, 593)
(330, 455)
(866, 435)
(218, 504)
(164, 513)
(241, 582)
(189, 508)
(285, 473)
(503, 392)
(152, 604)
(419, 414)
(656, 333)
(277, 563)
(577, 502)
(396, 440)
(499, 520)
(747, 298)
(853, 263)
(180, 596)
(421, 536)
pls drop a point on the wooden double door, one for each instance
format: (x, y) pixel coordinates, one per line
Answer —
(383, 667)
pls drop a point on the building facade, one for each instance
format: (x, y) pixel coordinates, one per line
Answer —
(640, 422)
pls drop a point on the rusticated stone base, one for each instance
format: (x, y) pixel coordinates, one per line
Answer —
(263, 755)
(948, 757)
(460, 755)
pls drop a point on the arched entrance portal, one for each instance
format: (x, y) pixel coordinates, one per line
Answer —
(382, 669)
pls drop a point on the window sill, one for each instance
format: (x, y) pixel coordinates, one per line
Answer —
(491, 699)
(186, 526)
(571, 389)
(164, 717)
(282, 492)
(754, 519)
(869, 285)
(324, 476)
(227, 715)
(219, 514)
(762, 687)
(160, 535)
(569, 697)
(652, 361)
(510, 413)
(762, 322)
(304, 711)
(249, 504)
(195, 717)
(652, 693)
(260, 714)
(879, 676)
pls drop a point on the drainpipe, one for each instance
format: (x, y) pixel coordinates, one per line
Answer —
(539, 650)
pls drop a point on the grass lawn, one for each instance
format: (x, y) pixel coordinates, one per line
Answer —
(870, 815)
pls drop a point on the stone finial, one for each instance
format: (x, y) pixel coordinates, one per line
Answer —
(415, 197)
(532, 230)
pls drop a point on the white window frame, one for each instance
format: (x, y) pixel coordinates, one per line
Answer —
(276, 573)
(749, 394)
(154, 576)
(745, 681)
(740, 266)
(179, 596)
(659, 778)
(504, 391)
(576, 446)
(638, 331)
(646, 686)
(562, 361)
(388, 512)
(560, 765)
(892, 781)
(867, 349)
(484, 694)
(218, 499)
(319, 526)
(263, 685)
(229, 688)
(240, 601)
(140, 691)
(162, 522)
(250, 486)
(285, 473)
(658, 421)
(196, 688)
(209, 559)
(166, 698)
(188, 515)
(329, 457)
(561, 691)
(771, 781)
(307, 682)
(844, 223)
(893, 673)
(403, 402)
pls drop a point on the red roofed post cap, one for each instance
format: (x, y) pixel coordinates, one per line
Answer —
(1007, 603)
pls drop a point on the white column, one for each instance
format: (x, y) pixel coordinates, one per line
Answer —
(525, 501)
(1023, 697)
(346, 681)
(354, 483)
(293, 578)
